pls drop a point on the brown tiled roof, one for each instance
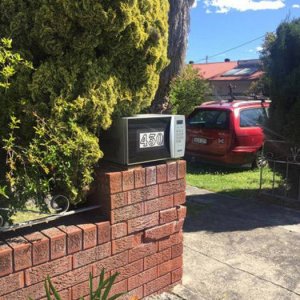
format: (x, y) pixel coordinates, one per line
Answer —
(214, 71)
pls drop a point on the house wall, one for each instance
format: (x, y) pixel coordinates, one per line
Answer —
(138, 232)
(220, 88)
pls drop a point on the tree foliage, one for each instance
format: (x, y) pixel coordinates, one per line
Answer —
(187, 90)
(281, 57)
(92, 61)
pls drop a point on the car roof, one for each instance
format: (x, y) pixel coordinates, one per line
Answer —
(230, 105)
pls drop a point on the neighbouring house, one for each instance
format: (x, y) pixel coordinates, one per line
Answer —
(239, 75)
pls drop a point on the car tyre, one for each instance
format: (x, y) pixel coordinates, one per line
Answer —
(260, 160)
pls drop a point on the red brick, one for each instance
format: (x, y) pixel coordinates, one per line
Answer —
(39, 273)
(142, 251)
(181, 169)
(168, 215)
(40, 247)
(74, 238)
(135, 294)
(143, 222)
(177, 275)
(171, 187)
(177, 250)
(118, 230)
(103, 229)
(172, 171)
(83, 289)
(170, 265)
(157, 258)
(118, 200)
(174, 239)
(142, 278)
(36, 291)
(80, 290)
(117, 288)
(110, 263)
(158, 204)
(89, 235)
(129, 270)
(181, 211)
(151, 175)
(71, 278)
(128, 180)
(11, 283)
(114, 182)
(139, 178)
(161, 171)
(88, 256)
(127, 213)
(6, 256)
(143, 194)
(21, 251)
(157, 284)
(57, 242)
(160, 232)
(125, 243)
(179, 225)
(179, 198)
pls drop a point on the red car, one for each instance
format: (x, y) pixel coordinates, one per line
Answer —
(227, 132)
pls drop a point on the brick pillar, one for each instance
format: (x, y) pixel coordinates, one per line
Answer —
(144, 206)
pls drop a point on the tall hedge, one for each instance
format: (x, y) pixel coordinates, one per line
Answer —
(282, 59)
(92, 61)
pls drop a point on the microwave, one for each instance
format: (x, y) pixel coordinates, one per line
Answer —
(144, 138)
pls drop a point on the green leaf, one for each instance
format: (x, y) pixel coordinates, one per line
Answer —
(108, 287)
(53, 290)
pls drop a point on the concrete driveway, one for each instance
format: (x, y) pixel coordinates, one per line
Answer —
(239, 249)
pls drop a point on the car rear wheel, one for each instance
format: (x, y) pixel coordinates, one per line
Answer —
(260, 160)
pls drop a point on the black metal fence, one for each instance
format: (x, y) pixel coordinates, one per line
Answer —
(283, 159)
(58, 206)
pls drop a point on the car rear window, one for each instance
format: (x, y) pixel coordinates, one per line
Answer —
(253, 117)
(212, 119)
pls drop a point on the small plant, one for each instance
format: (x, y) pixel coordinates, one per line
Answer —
(101, 293)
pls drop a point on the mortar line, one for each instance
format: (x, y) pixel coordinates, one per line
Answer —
(238, 269)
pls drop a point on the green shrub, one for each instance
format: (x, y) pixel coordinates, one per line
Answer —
(187, 91)
(282, 62)
(92, 61)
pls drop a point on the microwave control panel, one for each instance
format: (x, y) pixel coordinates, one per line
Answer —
(179, 136)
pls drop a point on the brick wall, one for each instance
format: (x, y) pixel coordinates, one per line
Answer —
(140, 237)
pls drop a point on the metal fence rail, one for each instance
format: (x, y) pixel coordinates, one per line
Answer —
(46, 219)
(283, 159)
(59, 205)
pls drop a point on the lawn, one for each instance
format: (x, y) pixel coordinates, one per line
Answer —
(235, 182)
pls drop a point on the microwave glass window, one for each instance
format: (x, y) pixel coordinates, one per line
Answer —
(148, 139)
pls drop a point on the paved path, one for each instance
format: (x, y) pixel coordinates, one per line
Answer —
(239, 249)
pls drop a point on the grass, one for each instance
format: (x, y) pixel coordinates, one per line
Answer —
(234, 182)
(31, 213)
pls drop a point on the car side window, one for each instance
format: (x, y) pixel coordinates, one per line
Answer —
(211, 119)
(253, 117)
